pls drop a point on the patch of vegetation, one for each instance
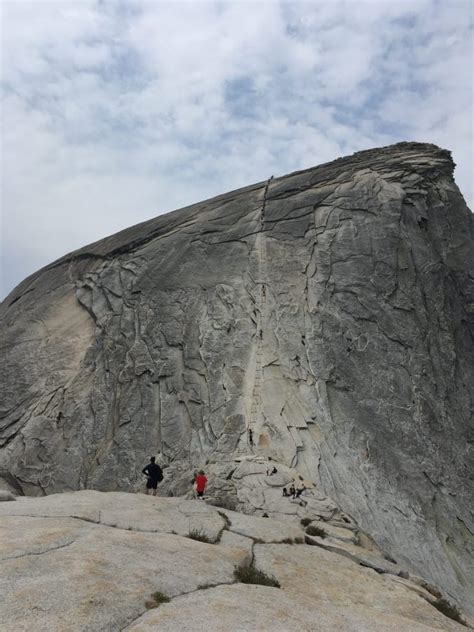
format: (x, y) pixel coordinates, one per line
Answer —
(315, 530)
(227, 520)
(251, 575)
(389, 558)
(431, 589)
(305, 521)
(449, 610)
(201, 536)
(258, 541)
(289, 541)
(205, 586)
(157, 598)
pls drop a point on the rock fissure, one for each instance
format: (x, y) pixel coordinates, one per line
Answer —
(52, 549)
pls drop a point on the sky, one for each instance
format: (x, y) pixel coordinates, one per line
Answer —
(115, 112)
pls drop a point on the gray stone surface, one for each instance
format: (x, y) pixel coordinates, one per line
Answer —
(68, 573)
(248, 608)
(330, 310)
(84, 561)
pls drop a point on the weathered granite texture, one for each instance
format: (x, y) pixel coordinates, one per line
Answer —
(92, 561)
(330, 310)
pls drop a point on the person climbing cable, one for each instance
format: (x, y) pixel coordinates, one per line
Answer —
(155, 475)
(201, 482)
(250, 433)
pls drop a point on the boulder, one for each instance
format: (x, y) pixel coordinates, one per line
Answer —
(6, 496)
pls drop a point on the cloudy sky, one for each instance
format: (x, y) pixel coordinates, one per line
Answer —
(114, 112)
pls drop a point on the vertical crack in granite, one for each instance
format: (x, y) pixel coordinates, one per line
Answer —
(255, 419)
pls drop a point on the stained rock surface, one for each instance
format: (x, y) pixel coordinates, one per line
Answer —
(330, 311)
(95, 561)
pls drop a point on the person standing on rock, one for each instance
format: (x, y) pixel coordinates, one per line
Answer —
(154, 473)
(201, 482)
(298, 492)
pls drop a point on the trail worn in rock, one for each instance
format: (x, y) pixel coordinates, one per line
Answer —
(330, 311)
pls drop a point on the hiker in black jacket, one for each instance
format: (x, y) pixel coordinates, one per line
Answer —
(155, 474)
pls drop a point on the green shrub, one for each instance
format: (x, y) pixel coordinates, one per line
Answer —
(206, 586)
(305, 521)
(159, 598)
(314, 530)
(251, 575)
(449, 610)
(201, 536)
(227, 520)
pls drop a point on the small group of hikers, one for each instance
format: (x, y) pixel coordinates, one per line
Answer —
(154, 475)
(295, 493)
(292, 492)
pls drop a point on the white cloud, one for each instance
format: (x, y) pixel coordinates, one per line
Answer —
(115, 112)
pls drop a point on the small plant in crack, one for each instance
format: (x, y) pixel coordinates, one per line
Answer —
(206, 586)
(201, 536)
(251, 575)
(286, 541)
(449, 610)
(156, 599)
(315, 530)
(305, 521)
(227, 520)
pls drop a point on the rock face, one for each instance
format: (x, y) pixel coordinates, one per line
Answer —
(93, 561)
(330, 311)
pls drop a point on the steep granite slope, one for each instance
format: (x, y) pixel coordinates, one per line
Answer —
(331, 311)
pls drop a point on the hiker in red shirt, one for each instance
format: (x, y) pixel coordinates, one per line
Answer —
(200, 481)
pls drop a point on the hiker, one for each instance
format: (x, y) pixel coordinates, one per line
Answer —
(271, 471)
(292, 490)
(154, 473)
(299, 491)
(201, 482)
(285, 492)
(250, 433)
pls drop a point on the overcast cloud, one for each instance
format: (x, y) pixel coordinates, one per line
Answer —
(115, 112)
